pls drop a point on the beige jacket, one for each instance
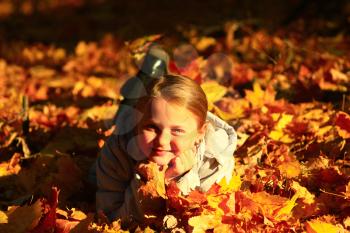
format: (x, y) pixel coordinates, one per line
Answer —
(116, 190)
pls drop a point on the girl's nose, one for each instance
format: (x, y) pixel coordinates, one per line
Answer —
(164, 138)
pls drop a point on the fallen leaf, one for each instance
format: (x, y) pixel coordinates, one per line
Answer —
(342, 123)
(204, 222)
(258, 97)
(317, 226)
(12, 167)
(213, 90)
(290, 169)
(308, 198)
(233, 186)
(22, 219)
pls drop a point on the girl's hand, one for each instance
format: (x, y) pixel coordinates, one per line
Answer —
(150, 188)
(181, 164)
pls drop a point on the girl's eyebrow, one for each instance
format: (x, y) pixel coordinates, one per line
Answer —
(176, 126)
(158, 125)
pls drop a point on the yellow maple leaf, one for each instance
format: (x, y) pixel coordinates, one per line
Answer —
(3, 217)
(233, 186)
(280, 136)
(214, 91)
(277, 133)
(317, 226)
(234, 108)
(204, 222)
(285, 212)
(303, 193)
(283, 121)
(258, 97)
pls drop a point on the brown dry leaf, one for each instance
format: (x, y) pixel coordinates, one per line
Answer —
(342, 123)
(151, 191)
(22, 219)
(68, 178)
(84, 225)
(155, 178)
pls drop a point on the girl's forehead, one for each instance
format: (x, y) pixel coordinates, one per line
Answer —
(161, 109)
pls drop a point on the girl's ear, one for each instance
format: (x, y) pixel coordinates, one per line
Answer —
(202, 130)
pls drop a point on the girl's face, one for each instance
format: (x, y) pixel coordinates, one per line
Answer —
(167, 130)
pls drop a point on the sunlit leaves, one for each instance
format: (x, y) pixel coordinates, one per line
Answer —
(285, 97)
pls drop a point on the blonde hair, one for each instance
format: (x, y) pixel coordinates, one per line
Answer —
(179, 90)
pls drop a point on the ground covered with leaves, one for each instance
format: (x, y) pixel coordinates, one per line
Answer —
(286, 94)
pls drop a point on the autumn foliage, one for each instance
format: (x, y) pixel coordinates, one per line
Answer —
(286, 95)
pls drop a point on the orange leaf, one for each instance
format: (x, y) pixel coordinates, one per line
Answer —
(11, 167)
(290, 169)
(274, 207)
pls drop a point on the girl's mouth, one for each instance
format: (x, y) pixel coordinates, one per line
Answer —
(160, 151)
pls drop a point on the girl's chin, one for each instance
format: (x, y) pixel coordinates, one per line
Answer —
(161, 160)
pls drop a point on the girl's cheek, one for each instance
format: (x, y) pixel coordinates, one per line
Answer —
(145, 143)
(180, 146)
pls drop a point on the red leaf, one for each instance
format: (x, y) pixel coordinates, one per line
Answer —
(48, 221)
(343, 124)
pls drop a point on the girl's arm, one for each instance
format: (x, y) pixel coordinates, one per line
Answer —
(116, 187)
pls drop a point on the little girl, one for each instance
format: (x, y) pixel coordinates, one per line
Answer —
(170, 125)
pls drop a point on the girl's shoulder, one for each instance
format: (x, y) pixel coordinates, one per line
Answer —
(220, 137)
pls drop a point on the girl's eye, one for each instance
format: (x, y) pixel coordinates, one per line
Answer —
(151, 127)
(178, 131)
